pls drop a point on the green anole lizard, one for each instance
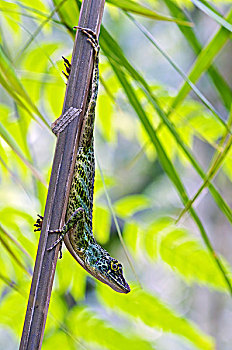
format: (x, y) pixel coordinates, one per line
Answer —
(77, 232)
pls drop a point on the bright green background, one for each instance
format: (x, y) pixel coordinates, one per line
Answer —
(159, 145)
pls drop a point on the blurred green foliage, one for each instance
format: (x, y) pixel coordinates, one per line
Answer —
(153, 166)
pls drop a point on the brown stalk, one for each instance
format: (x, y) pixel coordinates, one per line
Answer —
(60, 181)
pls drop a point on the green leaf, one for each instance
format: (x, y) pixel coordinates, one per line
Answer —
(17, 126)
(227, 166)
(12, 239)
(134, 7)
(92, 329)
(192, 115)
(58, 310)
(185, 254)
(130, 235)
(149, 236)
(12, 307)
(69, 12)
(36, 4)
(105, 117)
(101, 224)
(44, 52)
(183, 75)
(206, 8)
(129, 205)
(203, 61)
(154, 313)
(118, 60)
(220, 83)
(4, 244)
(54, 91)
(167, 164)
(10, 141)
(19, 226)
(12, 17)
(99, 186)
(71, 277)
(13, 86)
(58, 337)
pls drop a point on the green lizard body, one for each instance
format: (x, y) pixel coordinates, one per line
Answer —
(77, 232)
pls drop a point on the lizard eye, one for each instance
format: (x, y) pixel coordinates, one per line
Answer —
(114, 266)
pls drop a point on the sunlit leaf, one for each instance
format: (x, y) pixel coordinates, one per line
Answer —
(120, 60)
(151, 311)
(136, 8)
(130, 234)
(101, 224)
(228, 165)
(127, 206)
(204, 59)
(105, 117)
(13, 86)
(9, 140)
(71, 276)
(88, 327)
(12, 308)
(69, 12)
(12, 17)
(220, 83)
(186, 255)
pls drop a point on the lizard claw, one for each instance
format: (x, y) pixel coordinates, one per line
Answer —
(38, 223)
(67, 65)
(60, 250)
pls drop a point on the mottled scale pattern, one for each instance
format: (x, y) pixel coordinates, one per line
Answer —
(81, 194)
(82, 187)
(95, 259)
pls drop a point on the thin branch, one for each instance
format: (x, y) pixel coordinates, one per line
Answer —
(62, 170)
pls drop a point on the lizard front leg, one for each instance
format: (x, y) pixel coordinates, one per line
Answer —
(71, 223)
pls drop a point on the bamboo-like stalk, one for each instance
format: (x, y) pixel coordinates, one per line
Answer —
(60, 181)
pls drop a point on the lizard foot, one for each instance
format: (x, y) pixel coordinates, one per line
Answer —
(59, 240)
(67, 65)
(38, 224)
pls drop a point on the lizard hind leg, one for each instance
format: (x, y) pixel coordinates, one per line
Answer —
(71, 223)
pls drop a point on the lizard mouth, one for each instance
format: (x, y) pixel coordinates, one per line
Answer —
(113, 283)
(122, 289)
(118, 286)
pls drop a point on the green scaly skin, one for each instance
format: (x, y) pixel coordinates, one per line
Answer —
(77, 232)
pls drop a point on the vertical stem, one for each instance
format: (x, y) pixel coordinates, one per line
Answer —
(61, 176)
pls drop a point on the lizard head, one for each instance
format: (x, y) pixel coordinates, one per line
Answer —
(109, 271)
